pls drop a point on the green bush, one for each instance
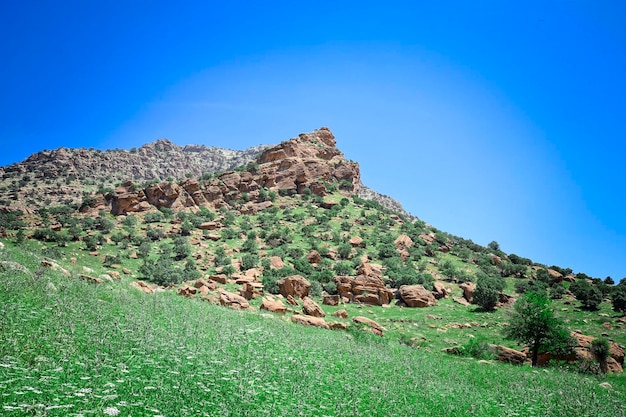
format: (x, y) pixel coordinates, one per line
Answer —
(487, 291)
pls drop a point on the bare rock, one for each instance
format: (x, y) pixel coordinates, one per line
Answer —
(439, 290)
(417, 296)
(232, 300)
(311, 308)
(275, 306)
(372, 326)
(468, 291)
(330, 300)
(508, 355)
(295, 286)
(309, 321)
(343, 314)
(403, 242)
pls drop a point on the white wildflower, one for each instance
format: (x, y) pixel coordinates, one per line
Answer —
(111, 411)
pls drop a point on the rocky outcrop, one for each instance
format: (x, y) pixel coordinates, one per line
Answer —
(416, 296)
(309, 161)
(364, 289)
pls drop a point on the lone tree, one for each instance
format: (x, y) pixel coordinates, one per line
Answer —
(534, 323)
(600, 349)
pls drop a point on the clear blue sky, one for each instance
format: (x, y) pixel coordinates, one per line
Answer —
(491, 120)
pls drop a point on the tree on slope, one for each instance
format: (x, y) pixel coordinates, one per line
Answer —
(534, 323)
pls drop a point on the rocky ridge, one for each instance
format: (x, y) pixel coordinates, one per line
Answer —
(62, 175)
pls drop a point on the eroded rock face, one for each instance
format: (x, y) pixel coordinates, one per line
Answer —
(416, 296)
(232, 300)
(294, 286)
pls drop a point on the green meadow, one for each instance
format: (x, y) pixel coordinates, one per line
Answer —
(71, 348)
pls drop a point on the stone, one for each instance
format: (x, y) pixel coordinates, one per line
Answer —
(356, 242)
(232, 300)
(314, 257)
(142, 286)
(343, 314)
(311, 308)
(366, 289)
(91, 279)
(508, 355)
(416, 296)
(461, 300)
(309, 321)
(403, 242)
(468, 291)
(292, 301)
(276, 262)
(439, 290)
(295, 286)
(249, 291)
(220, 279)
(372, 326)
(187, 291)
(275, 306)
(208, 226)
(330, 300)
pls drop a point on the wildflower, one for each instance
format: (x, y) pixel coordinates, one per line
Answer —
(111, 411)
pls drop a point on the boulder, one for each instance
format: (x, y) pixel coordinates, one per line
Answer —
(143, 286)
(403, 242)
(276, 262)
(232, 300)
(330, 300)
(439, 290)
(314, 257)
(309, 321)
(91, 279)
(364, 289)
(461, 300)
(311, 308)
(343, 314)
(275, 306)
(468, 291)
(187, 291)
(295, 286)
(372, 326)
(508, 355)
(416, 296)
(356, 242)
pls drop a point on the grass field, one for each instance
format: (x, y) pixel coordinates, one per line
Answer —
(68, 347)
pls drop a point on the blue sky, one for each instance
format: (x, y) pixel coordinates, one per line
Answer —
(491, 120)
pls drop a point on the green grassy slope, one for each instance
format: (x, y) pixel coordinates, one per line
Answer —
(68, 347)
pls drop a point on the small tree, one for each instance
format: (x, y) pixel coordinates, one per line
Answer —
(488, 291)
(533, 322)
(618, 298)
(600, 349)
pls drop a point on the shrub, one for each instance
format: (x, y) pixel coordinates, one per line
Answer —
(316, 289)
(618, 298)
(589, 295)
(487, 291)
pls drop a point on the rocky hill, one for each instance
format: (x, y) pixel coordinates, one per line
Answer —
(66, 175)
